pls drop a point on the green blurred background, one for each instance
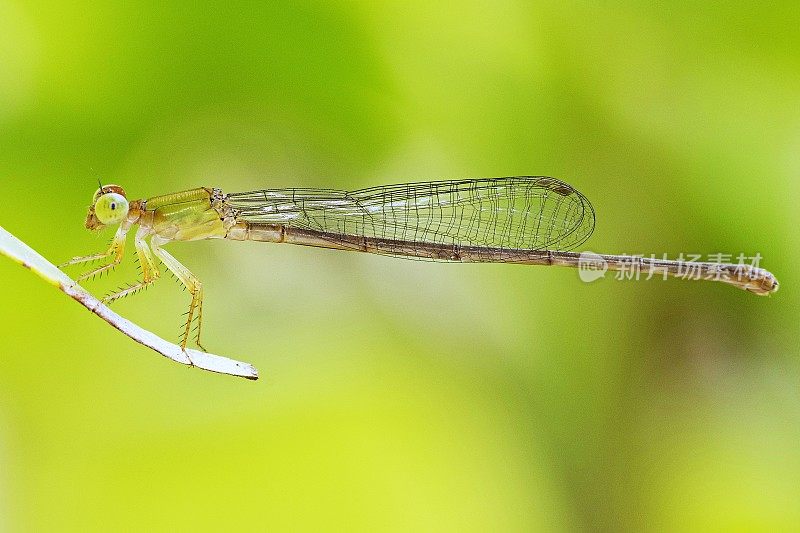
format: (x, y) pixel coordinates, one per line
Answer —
(399, 395)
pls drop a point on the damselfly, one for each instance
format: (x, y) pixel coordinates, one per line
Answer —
(531, 220)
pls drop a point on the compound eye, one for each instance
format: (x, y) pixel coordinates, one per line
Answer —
(111, 208)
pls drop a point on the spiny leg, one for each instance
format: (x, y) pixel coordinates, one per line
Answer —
(199, 322)
(115, 252)
(150, 271)
(191, 283)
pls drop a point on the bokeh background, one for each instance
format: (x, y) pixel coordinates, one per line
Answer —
(398, 395)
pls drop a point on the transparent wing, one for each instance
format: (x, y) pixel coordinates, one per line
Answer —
(504, 214)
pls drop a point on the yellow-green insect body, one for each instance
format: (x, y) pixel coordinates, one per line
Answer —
(183, 216)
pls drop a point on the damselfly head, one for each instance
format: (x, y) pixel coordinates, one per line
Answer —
(109, 206)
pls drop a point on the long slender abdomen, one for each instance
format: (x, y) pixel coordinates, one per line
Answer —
(244, 231)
